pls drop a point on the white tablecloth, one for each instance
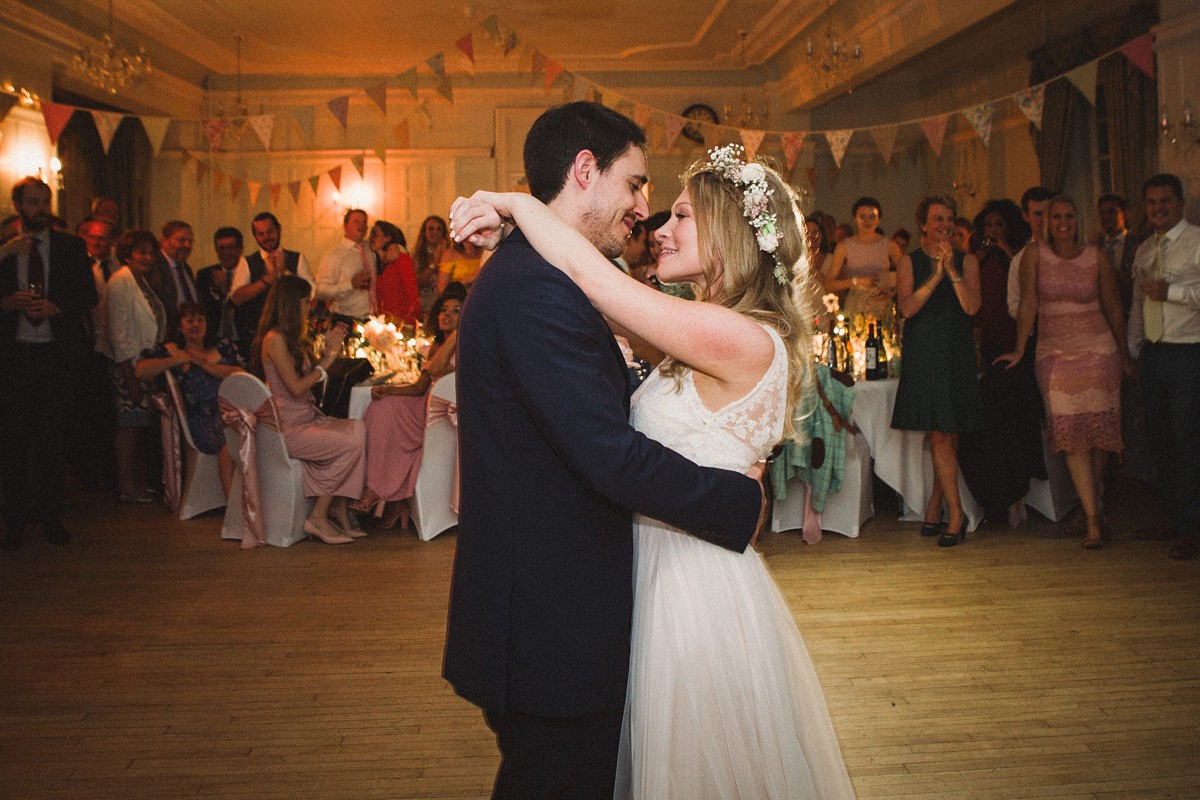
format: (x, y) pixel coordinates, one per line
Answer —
(360, 398)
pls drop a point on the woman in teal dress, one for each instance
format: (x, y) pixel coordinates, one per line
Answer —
(938, 292)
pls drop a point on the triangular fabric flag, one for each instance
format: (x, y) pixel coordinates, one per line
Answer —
(56, 116)
(304, 118)
(262, 125)
(793, 143)
(511, 40)
(1141, 52)
(274, 189)
(492, 26)
(156, 130)
(218, 177)
(935, 131)
(537, 65)
(408, 80)
(185, 157)
(609, 99)
(1084, 78)
(811, 174)
(314, 181)
(358, 161)
(340, 108)
(885, 140)
(7, 101)
(445, 89)
(107, 123)
(201, 171)
(980, 118)
(838, 142)
(553, 70)
(438, 65)
(674, 126)
(378, 95)
(381, 149)
(1031, 102)
(467, 45)
(335, 175)
(214, 131)
(642, 114)
(235, 187)
(294, 190)
(402, 138)
(751, 140)
(253, 188)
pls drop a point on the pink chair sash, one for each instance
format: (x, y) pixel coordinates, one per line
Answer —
(245, 422)
(439, 409)
(172, 448)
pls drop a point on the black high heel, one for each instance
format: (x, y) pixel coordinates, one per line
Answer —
(951, 538)
(933, 528)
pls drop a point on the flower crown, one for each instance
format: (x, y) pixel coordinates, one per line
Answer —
(751, 177)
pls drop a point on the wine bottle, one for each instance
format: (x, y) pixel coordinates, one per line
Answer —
(871, 348)
(881, 358)
(833, 348)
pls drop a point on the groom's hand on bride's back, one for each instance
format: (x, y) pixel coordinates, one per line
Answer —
(756, 471)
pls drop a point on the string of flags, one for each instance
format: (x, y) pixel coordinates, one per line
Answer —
(663, 128)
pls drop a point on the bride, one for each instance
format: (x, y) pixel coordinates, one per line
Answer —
(723, 700)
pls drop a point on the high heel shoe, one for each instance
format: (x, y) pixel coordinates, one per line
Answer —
(347, 530)
(1097, 541)
(312, 529)
(398, 514)
(933, 528)
(951, 538)
(366, 503)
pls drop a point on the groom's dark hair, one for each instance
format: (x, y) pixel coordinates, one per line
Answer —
(559, 134)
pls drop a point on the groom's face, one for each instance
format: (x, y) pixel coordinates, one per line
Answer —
(615, 201)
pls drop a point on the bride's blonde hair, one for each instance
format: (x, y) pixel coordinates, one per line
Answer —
(739, 275)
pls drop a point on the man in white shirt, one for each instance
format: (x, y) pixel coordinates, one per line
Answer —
(256, 273)
(1164, 328)
(1033, 208)
(346, 276)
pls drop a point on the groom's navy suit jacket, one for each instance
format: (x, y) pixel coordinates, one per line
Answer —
(542, 593)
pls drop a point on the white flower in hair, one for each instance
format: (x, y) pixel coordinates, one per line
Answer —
(753, 172)
(756, 198)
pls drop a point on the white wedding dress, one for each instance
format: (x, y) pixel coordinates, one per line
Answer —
(723, 700)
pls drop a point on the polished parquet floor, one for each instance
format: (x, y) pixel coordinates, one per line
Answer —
(150, 659)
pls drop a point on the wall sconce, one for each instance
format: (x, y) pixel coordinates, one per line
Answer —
(1172, 132)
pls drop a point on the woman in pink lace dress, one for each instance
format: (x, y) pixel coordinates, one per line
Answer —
(1071, 289)
(333, 451)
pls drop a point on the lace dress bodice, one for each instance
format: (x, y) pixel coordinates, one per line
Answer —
(733, 437)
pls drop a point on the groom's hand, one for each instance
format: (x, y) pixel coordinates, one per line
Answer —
(756, 471)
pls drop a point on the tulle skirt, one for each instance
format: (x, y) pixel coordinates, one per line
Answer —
(723, 700)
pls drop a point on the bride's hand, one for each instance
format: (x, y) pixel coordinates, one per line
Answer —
(756, 471)
(482, 218)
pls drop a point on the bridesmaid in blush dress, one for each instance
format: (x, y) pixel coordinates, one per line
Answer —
(332, 450)
(1072, 291)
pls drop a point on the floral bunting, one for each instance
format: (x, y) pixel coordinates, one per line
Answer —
(980, 118)
(838, 142)
(1141, 53)
(262, 125)
(56, 116)
(466, 45)
(1084, 79)
(335, 177)
(1031, 102)
(935, 131)
(106, 123)
(674, 126)
(378, 95)
(214, 131)
(885, 140)
(751, 141)
(359, 161)
(793, 143)
(408, 79)
(340, 108)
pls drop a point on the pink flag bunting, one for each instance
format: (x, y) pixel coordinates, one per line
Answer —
(935, 131)
(811, 174)
(751, 140)
(1141, 52)
(340, 108)
(642, 114)
(553, 70)
(359, 161)
(467, 45)
(674, 126)
(274, 189)
(838, 142)
(56, 116)
(980, 118)
(1031, 102)
(378, 95)
(107, 123)
(262, 125)
(793, 143)
(335, 176)
(885, 140)
(214, 131)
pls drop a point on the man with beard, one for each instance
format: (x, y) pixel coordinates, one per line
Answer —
(46, 290)
(256, 274)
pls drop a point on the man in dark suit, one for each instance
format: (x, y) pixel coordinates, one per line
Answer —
(46, 292)
(542, 592)
(171, 278)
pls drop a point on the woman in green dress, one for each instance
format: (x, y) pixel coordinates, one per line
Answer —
(937, 291)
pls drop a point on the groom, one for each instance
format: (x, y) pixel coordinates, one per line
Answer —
(551, 471)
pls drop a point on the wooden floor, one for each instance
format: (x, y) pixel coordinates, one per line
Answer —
(149, 659)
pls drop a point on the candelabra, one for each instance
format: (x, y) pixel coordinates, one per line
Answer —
(839, 60)
(1183, 129)
(110, 66)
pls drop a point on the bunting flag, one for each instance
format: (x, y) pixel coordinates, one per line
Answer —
(294, 190)
(253, 188)
(304, 119)
(156, 130)
(359, 161)
(445, 90)
(378, 94)
(235, 188)
(218, 177)
(262, 125)
(402, 137)
(7, 101)
(56, 116)
(511, 40)
(107, 123)
(935, 131)
(466, 45)
(553, 71)
(642, 114)
(408, 80)
(674, 126)
(437, 64)
(1084, 79)
(980, 118)
(274, 190)
(201, 171)
(214, 131)
(491, 26)
(537, 65)
(1031, 102)
(381, 149)
(340, 108)
(335, 176)
(838, 142)
(811, 174)
(793, 143)
(315, 182)
(1141, 52)
(885, 140)
(751, 140)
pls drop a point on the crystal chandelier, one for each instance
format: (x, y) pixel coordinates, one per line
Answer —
(744, 115)
(839, 60)
(110, 66)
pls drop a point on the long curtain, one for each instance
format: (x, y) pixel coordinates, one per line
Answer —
(1131, 97)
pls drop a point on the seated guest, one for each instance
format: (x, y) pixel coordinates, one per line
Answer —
(255, 274)
(396, 287)
(460, 263)
(396, 419)
(212, 283)
(332, 450)
(199, 361)
(136, 321)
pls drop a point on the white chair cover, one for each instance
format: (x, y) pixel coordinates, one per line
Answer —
(202, 489)
(280, 477)
(846, 510)
(432, 509)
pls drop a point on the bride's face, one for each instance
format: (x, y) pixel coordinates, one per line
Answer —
(679, 251)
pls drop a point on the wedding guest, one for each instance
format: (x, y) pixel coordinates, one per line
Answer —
(1114, 240)
(199, 361)
(331, 450)
(1034, 202)
(902, 238)
(396, 287)
(10, 228)
(938, 291)
(91, 452)
(460, 263)
(346, 276)
(136, 322)
(212, 282)
(1071, 289)
(961, 239)
(431, 245)
(256, 274)
(106, 208)
(170, 276)
(861, 264)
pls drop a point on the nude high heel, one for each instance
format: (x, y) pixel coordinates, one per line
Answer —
(312, 529)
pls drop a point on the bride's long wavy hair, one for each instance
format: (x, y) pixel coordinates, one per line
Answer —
(739, 275)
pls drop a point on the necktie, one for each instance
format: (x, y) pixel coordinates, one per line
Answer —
(1152, 310)
(181, 271)
(37, 273)
(362, 255)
